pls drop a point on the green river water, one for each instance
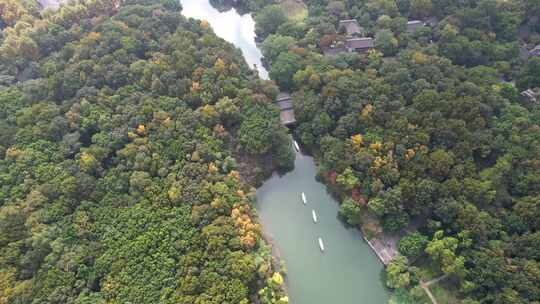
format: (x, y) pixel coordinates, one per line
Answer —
(347, 272)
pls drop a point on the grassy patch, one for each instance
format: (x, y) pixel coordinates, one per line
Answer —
(294, 9)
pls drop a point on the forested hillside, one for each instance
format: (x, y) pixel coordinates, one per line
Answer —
(426, 131)
(130, 139)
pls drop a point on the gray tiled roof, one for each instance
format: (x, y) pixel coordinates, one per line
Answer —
(351, 26)
(359, 43)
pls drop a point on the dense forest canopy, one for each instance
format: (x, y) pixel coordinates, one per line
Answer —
(130, 138)
(125, 134)
(427, 131)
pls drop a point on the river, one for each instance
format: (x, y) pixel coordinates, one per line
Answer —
(348, 272)
(231, 26)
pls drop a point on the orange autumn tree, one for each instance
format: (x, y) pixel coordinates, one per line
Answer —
(249, 230)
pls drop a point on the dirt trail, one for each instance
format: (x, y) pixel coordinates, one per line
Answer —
(425, 287)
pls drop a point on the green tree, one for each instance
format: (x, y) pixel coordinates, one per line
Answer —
(347, 179)
(395, 222)
(258, 129)
(274, 45)
(440, 163)
(376, 205)
(351, 211)
(529, 76)
(413, 244)
(420, 8)
(397, 273)
(443, 250)
(268, 20)
(284, 68)
(386, 42)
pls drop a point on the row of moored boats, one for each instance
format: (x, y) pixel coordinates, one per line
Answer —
(314, 215)
(304, 201)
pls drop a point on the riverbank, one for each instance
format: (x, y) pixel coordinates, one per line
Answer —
(275, 251)
(346, 270)
(385, 249)
(385, 245)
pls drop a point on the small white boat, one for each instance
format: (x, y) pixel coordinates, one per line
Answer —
(296, 146)
(304, 198)
(314, 215)
(321, 245)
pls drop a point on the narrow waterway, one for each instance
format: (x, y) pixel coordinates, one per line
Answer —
(231, 26)
(347, 272)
